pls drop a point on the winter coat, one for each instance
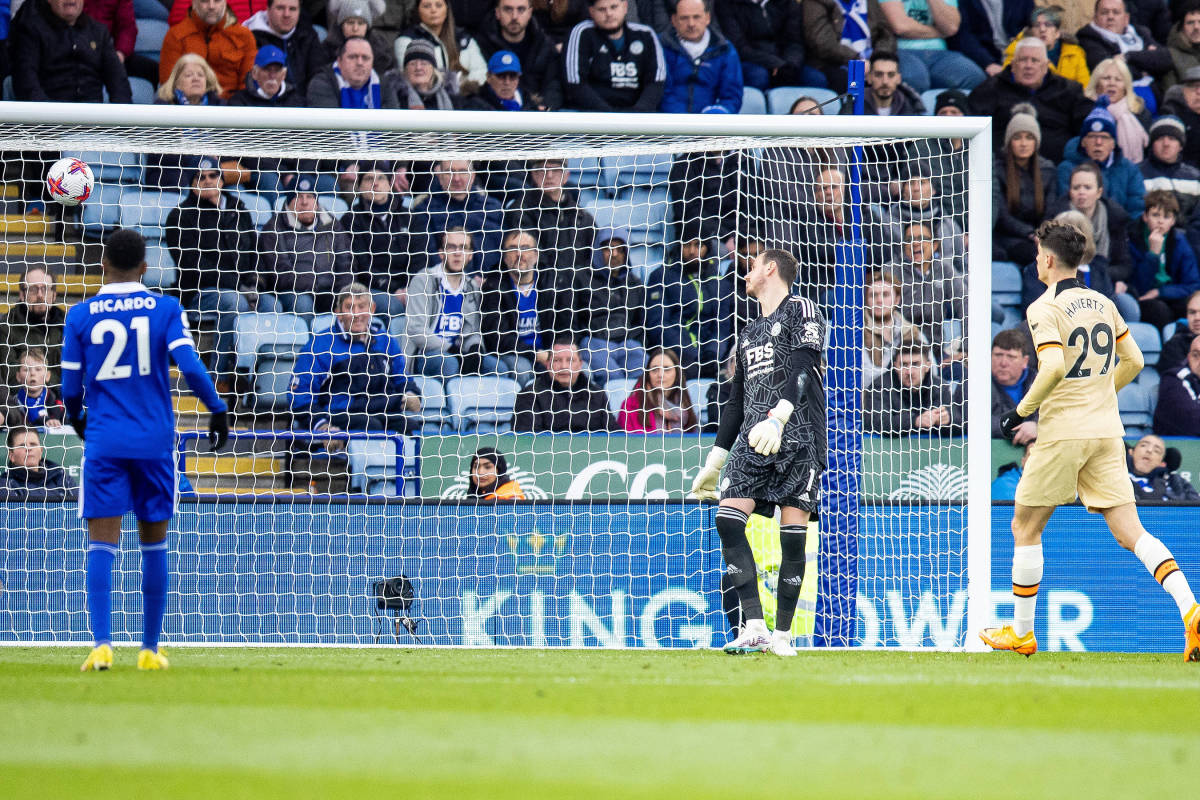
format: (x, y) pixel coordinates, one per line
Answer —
(1173, 103)
(609, 304)
(546, 406)
(56, 62)
(1178, 409)
(212, 247)
(478, 214)
(305, 55)
(229, 48)
(1175, 350)
(470, 57)
(440, 96)
(501, 318)
(1060, 104)
(713, 79)
(770, 34)
(19, 330)
(1119, 265)
(1072, 61)
(379, 243)
(1184, 56)
(1010, 226)
(1181, 178)
(1154, 62)
(541, 64)
(51, 482)
(823, 24)
(1160, 484)
(313, 260)
(119, 18)
(690, 313)
(929, 298)
(906, 102)
(890, 409)
(242, 9)
(975, 38)
(290, 96)
(486, 99)
(598, 79)
(631, 420)
(1183, 272)
(565, 232)
(425, 306)
(1002, 403)
(895, 217)
(1123, 183)
(323, 90)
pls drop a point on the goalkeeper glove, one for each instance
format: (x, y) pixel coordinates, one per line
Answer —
(705, 485)
(80, 425)
(218, 430)
(766, 436)
(1009, 423)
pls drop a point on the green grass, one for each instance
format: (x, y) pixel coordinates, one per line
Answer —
(446, 723)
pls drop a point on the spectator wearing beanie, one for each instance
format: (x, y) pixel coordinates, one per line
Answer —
(1097, 142)
(354, 18)
(1165, 169)
(1024, 185)
(422, 82)
(948, 159)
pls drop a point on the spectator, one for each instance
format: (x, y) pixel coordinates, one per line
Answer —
(986, 28)
(769, 38)
(377, 225)
(119, 17)
(1012, 375)
(884, 327)
(1060, 103)
(550, 208)
(1175, 349)
(38, 405)
(211, 31)
(1004, 485)
(612, 64)
(947, 159)
(932, 290)
(511, 26)
(562, 399)
(30, 476)
(704, 186)
(887, 94)
(457, 53)
(1111, 79)
(489, 477)
(1066, 57)
(921, 28)
(302, 255)
(351, 376)
(1183, 101)
(1097, 144)
(1178, 409)
(34, 321)
(1154, 480)
(241, 9)
(457, 202)
(524, 307)
(1024, 185)
(354, 20)
(502, 89)
(270, 83)
(704, 72)
(610, 305)
(1093, 270)
(352, 82)
(1183, 43)
(1165, 271)
(423, 85)
(821, 228)
(659, 402)
(1110, 227)
(192, 82)
(719, 393)
(559, 19)
(443, 321)
(746, 247)
(1110, 33)
(917, 203)
(61, 55)
(911, 398)
(687, 313)
(1164, 169)
(280, 26)
(833, 37)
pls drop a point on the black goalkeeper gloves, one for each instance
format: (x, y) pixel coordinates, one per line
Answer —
(218, 430)
(80, 425)
(1010, 422)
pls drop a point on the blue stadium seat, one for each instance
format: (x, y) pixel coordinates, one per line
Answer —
(1006, 284)
(321, 32)
(781, 98)
(1137, 409)
(617, 390)
(372, 466)
(272, 381)
(644, 259)
(102, 212)
(482, 403)
(1146, 337)
(160, 267)
(258, 206)
(142, 91)
(322, 322)
(1149, 379)
(110, 167)
(257, 331)
(149, 9)
(434, 410)
(642, 212)
(753, 101)
(929, 98)
(698, 390)
(146, 211)
(150, 35)
(620, 174)
(584, 171)
(1169, 330)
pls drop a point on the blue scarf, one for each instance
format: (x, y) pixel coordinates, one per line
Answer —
(181, 99)
(369, 96)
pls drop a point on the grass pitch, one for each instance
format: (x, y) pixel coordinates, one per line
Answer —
(257, 723)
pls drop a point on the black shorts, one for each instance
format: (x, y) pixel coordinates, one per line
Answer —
(772, 480)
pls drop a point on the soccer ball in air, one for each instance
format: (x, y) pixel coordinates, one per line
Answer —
(70, 181)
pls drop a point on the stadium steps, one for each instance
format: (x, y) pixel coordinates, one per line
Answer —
(47, 252)
(21, 225)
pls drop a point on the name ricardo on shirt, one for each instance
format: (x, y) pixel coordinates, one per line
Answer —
(1082, 304)
(103, 304)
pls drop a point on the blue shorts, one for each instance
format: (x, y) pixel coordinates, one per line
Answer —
(111, 487)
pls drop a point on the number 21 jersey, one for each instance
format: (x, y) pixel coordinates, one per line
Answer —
(1087, 326)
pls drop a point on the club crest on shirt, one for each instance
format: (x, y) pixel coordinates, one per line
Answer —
(775, 329)
(636, 48)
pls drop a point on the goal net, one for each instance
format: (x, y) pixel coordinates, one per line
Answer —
(475, 361)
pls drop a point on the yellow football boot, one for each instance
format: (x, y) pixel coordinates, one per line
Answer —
(99, 659)
(1191, 648)
(148, 659)
(1006, 639)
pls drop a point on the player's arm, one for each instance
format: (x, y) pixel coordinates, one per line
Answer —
(1131, 360)
(183, 353)
(1047, 341)
(72, 375)
(732, 414)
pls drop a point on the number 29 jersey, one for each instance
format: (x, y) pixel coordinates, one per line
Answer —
(120, 341)
(1087, 326)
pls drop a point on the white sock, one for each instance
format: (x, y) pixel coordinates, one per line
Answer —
(1161, 564)
(1026, 577)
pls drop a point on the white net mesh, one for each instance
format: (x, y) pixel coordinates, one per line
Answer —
(381, 308)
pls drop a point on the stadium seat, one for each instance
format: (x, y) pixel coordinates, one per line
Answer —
(257, 331)
(321, 32)
(8, 93)
(617, 390)
(160, 267)
(258, 206)
(929, 99)
(142, 91)
(644, 259)
(642, 212)
(620, 174)
(110, 167)
(781, 98)
(584, 171)
(698, 391)
(1170, 328)
(102, 212)
(1146, 337)
(150, 35)
(1137, 409)
(1006, 284)
(322, 322)
(434, 411)
(149, 9)
(372, 466)
(753, 101)
(146, 211)
(482, 403)
(272, 381)
(1149, 379)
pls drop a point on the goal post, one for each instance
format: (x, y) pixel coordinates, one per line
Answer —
(284, 539)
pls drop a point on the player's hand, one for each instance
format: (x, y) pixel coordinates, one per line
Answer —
(1025, 433)
(766, 436)
(218, 430)
(1009, 423)
(80, 425)
(705, 485)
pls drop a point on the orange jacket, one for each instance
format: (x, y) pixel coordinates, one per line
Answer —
(507, 491)
(228, 47)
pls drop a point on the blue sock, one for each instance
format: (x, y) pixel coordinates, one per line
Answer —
(154, 592)
(100, 557)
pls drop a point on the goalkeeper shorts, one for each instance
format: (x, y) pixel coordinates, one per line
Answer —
(111, 487)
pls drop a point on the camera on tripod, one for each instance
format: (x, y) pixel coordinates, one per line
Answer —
(395, 596)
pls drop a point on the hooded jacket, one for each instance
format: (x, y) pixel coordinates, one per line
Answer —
(229, 48)
(505, 488)
(1123, 182)
(609, 303)
(713, 79)
(1072, 61)
(51, 482)
(305, 260)
(305, 55)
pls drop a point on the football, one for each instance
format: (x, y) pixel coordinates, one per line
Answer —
(70, 181)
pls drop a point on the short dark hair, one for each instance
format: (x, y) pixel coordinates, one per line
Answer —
(16, 431)
(911, 346)
(1124, 3)
(785, 262)
(1164, 200)
(883, 55)
(342, 50)
(1089, 167)
(1064, 241)
(125, 250)
(673, 7)
(1012, 339)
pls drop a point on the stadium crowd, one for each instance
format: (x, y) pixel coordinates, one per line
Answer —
(406, 274)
